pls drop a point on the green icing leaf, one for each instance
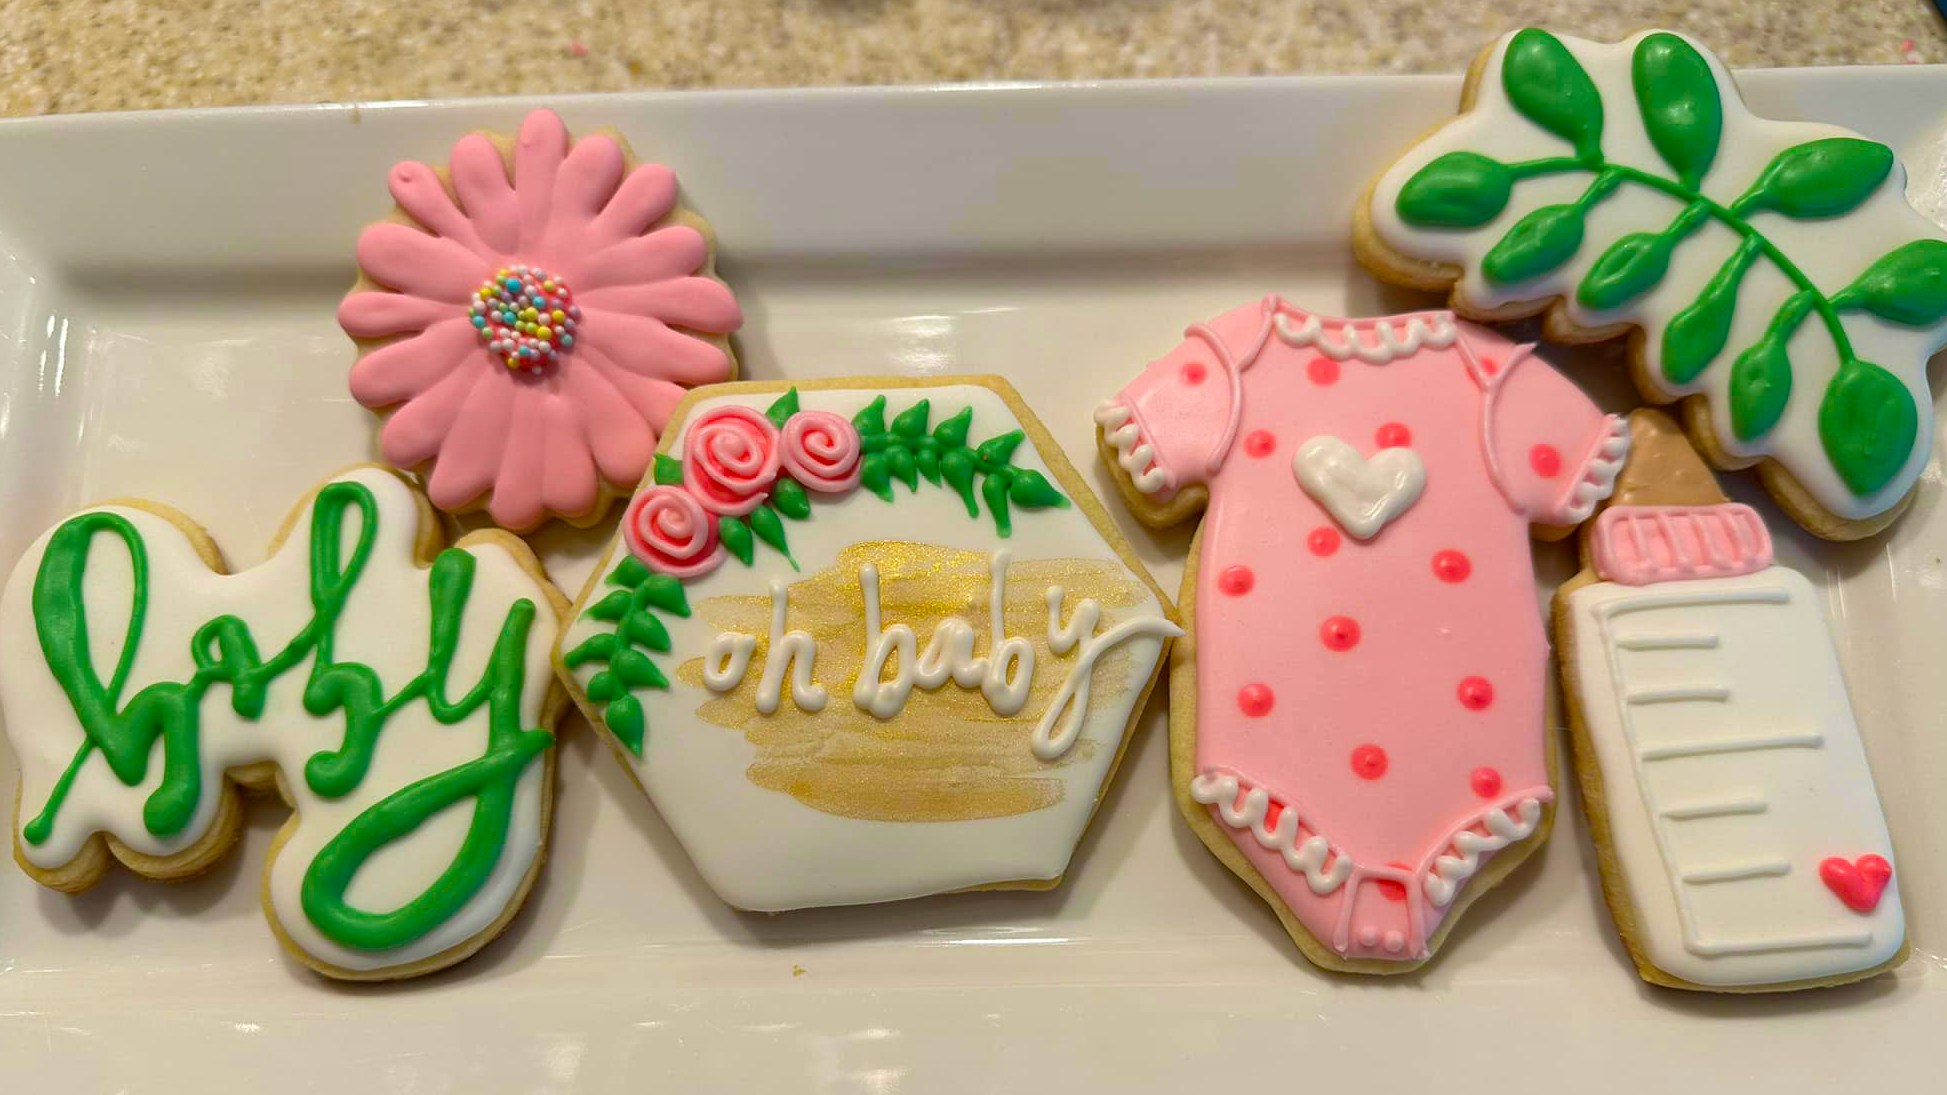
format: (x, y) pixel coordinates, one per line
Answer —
(1682, 111)
(623, 717)
(876, 442)
(1629, 268)
(1697, 334)
(1031, 490)
(900, 460)
(1537, 244)
(952, 433)
(1458, 190)
(1906, 285)
(1821, 178)
(957, 467)
(872, 419)
(594, 648)
(736, 538)
(911, 422)
(928, 461)
(665, 593)
(784, 408)
(630, 573)
(635, 669)
(611, 607)
(994, 489)
(790, 500)
(997, 450)
(604, 686)
(764, 522)
(669, 471)
(875, 473)
(1867, 423)
(1761, 384)
(643, 627)
(1551, 89)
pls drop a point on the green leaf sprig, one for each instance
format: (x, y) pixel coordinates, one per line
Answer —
(625, 650)
(906, 451)
(1867, 418)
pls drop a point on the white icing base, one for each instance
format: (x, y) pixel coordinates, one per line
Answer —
(1732, 767)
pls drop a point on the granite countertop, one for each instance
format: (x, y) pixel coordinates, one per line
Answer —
(63, 56)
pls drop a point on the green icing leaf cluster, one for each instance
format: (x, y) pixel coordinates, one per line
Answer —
(624, 650)
(1867, 419)
(907, 451)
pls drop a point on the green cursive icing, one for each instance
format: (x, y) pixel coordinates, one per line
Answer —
(225, 651)
(1867, 419)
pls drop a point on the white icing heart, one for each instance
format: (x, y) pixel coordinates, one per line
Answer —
(1360, 494)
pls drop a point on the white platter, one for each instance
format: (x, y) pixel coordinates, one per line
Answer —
(166, 330)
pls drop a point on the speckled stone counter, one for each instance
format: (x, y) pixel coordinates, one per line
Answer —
(63, 56)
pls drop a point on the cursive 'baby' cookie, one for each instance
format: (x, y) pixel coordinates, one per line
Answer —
(1770, 274)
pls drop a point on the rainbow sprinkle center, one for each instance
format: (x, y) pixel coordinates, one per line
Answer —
(526, 317)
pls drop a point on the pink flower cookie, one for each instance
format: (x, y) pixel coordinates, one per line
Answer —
(528, 317)
(1370, 487)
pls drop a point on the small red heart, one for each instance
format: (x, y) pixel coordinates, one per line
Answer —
(1858, 883)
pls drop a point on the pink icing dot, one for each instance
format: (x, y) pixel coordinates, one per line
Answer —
(1545, 460)
(1193, 373)
(1339, 633)
(1368, 762)
(1451, 566)
(1391, 889)
(1255, 700)
(1272, 810)
(1490, 366)
(1236, 580)
(1393, 435)
(1323, 370)
(1323, 541)
(1259, 443)
(1475, 693)
(1486, 782)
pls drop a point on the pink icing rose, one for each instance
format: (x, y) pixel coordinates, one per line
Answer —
(730, 460)
(821, 451)
(670, 533)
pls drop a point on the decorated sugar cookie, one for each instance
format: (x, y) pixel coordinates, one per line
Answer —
(1356, 723)
(1743, 846)
(398, 697)
(527, 318)
(863, 640)
(1771, 274)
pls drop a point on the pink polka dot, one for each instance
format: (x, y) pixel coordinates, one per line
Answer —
(1259, 443)
(1236, 580)
(1272, 810)
(1323, 370)
(1339, 633)
(1486, 782)
(1475, 693)
(1193, 373)
(1368, 762)
(1545, 460)
(1390, 889)
(1323, 541)
(1393, 435)
(1490, 366)
(1255, 700)
(1451, 566)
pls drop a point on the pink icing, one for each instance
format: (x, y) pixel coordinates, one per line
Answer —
(1638, 545)
(543, 443)
(666, 529)
(730, 459)
(1409, 688)
(821, 451)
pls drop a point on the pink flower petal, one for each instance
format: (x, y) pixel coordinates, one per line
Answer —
(379, 314)
(400, 370)
(538, 152)
(480, 178)
(470, 455)
(649, 347)
(621, 441)
(645, 197)
(666, 253)
(516, 502)
(418, 191)
(587, 181)
(652, 398)
(701, 304)
(414, 262)
(414, 433)
(569, 486)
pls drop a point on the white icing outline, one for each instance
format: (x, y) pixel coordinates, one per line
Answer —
(1133, 454)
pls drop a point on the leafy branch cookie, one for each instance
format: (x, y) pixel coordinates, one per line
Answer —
(397, 696)
(1741, 840)
(1770, 274)
(863, 640)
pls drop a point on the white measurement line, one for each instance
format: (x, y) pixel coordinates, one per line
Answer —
(1733, 745)
(1713, 693)
(1701, 640)
(1715, 809)
(1770, 868)
(1709, 947)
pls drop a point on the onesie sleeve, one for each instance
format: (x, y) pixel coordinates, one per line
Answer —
(1553, 453)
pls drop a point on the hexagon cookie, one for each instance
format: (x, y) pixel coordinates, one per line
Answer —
(864, 640)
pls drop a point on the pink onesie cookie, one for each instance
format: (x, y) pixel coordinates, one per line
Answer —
(1358, 729)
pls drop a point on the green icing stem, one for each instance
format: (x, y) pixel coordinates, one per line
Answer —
(1554, 165)
(225, 651)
